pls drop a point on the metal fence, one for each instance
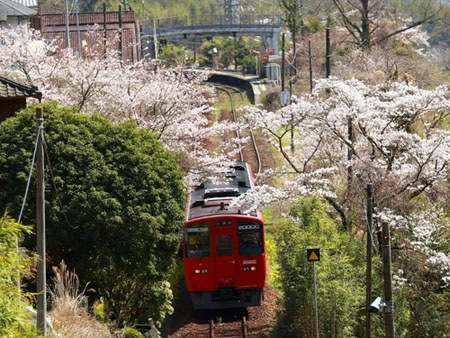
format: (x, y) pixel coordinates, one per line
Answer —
(239, 20)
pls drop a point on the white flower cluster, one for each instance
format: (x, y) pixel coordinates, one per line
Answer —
(423, 232)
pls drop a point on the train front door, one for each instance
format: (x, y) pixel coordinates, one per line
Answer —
(225, 254)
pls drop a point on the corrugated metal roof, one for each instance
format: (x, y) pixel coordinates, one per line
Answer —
(11, 8)
(27, 3)
(11, 89)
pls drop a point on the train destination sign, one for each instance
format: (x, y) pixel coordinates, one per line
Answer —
(313, 255)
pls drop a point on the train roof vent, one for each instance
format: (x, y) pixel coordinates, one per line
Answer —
(239, 167)
(199, 203)
(221, 192)
(217, 202)
(231, 172)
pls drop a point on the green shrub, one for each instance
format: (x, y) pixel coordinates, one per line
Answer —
(314, 24)
(99, 310)
(14, 321)
(117, 213)
(130, 332)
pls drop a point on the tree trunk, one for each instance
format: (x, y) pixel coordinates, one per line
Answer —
(365, 29)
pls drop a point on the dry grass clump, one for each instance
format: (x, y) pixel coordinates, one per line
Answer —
(69, 317)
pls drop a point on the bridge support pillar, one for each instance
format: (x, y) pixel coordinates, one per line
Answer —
(272, 42)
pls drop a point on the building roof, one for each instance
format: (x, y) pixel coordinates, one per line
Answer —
(11, 8)
(27, 3)
(10, 89)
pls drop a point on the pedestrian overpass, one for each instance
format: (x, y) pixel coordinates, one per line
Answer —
(195, 28)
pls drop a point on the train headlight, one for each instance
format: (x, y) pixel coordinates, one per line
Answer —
(197, 271)
(249, 268)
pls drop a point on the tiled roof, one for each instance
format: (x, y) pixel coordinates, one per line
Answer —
(11, 8)
(11, 89)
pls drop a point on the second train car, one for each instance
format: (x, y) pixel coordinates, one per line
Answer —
(223, 248)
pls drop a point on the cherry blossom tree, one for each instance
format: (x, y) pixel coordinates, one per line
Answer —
(169, 102)
(349, 134)
(365, 20)
(398, 143)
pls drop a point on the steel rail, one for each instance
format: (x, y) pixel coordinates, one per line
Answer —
(252, 136)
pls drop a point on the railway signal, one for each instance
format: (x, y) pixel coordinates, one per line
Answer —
(313, 255)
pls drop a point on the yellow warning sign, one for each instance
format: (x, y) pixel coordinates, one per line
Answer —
(313, 255)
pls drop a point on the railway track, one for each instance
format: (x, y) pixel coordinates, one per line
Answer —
(228, 90)
(237, 328)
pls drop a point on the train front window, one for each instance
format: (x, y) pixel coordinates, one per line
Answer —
(197, 240)
(250, 238)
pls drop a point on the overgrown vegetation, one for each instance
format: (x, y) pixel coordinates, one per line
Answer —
(15, 262)
(70, 316)
(340, 273)
(117, 210)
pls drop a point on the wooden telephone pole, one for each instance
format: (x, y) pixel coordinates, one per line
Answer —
(387, 273)
(369, 259)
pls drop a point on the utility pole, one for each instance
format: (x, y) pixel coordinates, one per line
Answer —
(155, 41)
(78, 29)
(104, 29)
(310, 67)
(120, 32)
(66, 19)
(387, 273)
(195, 51)
(327, 51)
(282, 62)
(292, 119)
(40, 228)
(235, 48)
(369, 259)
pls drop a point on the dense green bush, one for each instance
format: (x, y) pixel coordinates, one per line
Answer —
(117, 213)
(340, 274)
(14, 321)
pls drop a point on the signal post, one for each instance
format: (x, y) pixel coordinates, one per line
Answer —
(313, 255)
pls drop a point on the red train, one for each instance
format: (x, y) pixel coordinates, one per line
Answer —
(223, 248)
